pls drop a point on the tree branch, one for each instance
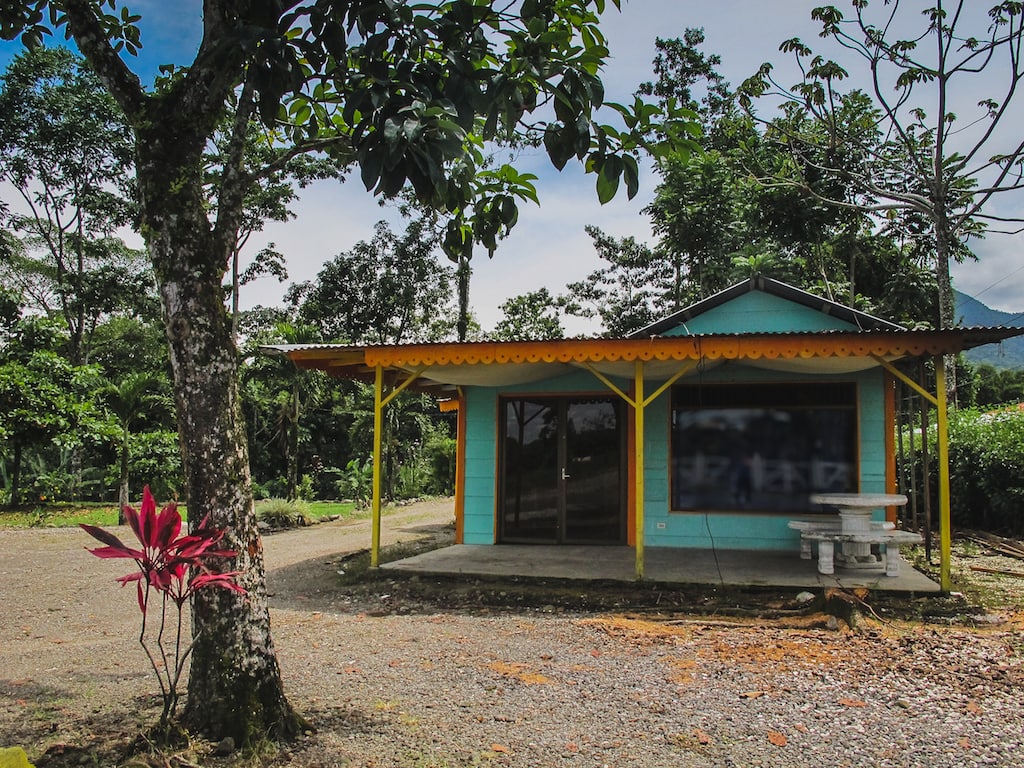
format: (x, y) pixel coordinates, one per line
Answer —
(234, 182)
(303, 147)
(94, 44)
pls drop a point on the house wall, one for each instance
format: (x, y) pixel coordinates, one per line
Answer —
(749, 313)
(663, 527)
(758, 312)
(481, 483)
(754, 530)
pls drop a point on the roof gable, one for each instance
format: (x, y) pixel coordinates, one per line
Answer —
(763, 305)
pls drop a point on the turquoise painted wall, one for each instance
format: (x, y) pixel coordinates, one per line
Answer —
(758, 312)
(662, 527)
(481, 489)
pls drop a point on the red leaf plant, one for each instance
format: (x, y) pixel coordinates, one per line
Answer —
(172, 566)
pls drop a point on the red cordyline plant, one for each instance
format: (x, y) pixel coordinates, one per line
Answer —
(172, 566)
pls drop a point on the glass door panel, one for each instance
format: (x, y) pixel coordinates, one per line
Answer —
(562, 474)
(593, 472)
(530, 480)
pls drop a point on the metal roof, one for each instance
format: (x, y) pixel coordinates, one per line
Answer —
(442, 366)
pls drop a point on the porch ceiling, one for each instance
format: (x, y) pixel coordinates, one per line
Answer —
(443, 366)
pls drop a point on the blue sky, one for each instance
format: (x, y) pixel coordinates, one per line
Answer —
(549, 247)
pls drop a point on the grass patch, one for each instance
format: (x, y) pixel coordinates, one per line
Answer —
(282, 514)
(344, 509)
(59, 515)
(68, 514)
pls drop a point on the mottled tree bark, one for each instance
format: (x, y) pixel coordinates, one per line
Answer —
(235, 687)
(944, 282)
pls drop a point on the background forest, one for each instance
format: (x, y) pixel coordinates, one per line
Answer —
(85, 385)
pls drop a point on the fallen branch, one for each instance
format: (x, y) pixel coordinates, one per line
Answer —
(1000, 571)
(999, 544)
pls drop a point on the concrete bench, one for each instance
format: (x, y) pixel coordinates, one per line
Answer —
(888, 541)
(828, 525)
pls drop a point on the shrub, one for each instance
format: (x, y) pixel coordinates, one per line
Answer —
(174, 567)
(325, 482)
(357, 481)
(156, 455)
(439, 452)
(281, 513)
(986, 469)
(305, 489)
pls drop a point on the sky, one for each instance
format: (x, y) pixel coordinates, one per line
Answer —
(549, 247)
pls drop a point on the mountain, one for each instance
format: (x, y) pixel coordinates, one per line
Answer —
(1008, 354)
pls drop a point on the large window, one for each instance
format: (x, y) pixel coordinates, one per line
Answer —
(762, 447)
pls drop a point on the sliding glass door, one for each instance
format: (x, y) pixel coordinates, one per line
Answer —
(561, 470)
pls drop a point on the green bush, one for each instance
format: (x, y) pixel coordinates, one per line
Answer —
(440, 454)
(281, 513)
(325, 482)
(356, 482)
(986, 469)
(154, 460)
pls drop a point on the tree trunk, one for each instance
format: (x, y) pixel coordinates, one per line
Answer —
(235, 686)
(947, 309)
(16, 476)
(234, 295)
(122, 485)
(462, 275)
(292, 444)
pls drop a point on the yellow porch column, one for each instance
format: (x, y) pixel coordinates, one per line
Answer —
(638, 459)
(638, 403)
(378, 424)
(945, 523)
(942, 439)
(379, 401)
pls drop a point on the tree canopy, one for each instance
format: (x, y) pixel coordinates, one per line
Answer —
(66, 149)
(410, 93)
(390, 290)
(930, 142)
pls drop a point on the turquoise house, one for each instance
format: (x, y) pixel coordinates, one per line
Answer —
(709, 428)
(733, 447)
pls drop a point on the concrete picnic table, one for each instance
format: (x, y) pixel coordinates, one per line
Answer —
(855, 531)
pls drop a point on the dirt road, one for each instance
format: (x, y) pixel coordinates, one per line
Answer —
(392, 680)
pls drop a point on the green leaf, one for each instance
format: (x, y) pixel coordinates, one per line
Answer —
(631, 174)
(608, 178)
(371, 165)
(508, 211)
(554, 143)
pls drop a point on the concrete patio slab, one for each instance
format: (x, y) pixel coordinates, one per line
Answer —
(735, 568)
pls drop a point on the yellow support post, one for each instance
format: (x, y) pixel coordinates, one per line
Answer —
(638, 457)
(638, 403)
(945, 524)
(378, 425)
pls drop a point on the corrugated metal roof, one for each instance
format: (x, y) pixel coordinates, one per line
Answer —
(972, 336)
(440, 366)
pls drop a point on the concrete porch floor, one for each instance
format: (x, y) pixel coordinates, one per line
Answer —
(737, 568)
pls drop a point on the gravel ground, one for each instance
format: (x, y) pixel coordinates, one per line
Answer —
(397, 673)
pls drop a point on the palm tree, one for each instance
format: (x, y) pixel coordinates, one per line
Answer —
(127, 399)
